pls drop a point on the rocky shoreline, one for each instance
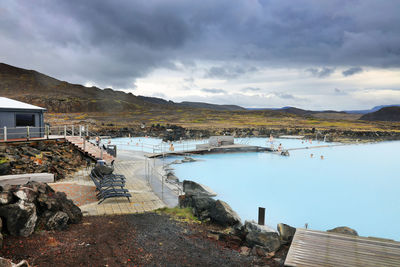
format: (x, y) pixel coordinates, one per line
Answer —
(173, 133)
(252, 238)
(57, 157)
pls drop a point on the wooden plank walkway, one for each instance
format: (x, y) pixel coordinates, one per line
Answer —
(87, 147)
(216, 149)
(311, 248)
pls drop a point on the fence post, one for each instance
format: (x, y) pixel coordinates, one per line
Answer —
(47, 131)
(65, 131)
(27, 132)
(73, 129)
(5, 133)
(261, 216)
(80, 131)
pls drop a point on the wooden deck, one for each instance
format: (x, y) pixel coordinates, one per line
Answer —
(209, 150)
(314, 248)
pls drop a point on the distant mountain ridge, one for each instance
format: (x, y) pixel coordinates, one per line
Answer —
(365, 111)
(63, 97)
(211, 106)
(391, 113)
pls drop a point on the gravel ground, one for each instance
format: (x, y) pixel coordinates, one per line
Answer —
(127, 240)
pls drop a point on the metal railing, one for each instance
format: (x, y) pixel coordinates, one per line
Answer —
(158, 181)
(29, 132)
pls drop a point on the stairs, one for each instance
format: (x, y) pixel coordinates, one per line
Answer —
(87, 147)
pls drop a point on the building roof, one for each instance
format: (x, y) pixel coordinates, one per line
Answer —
(7, 103)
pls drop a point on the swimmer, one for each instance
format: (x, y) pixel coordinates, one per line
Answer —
(171, 147)
(312, 155)
(322, 157)
(280, 148)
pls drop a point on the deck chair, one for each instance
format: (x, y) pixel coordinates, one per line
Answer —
(108, 177)
(111, 195)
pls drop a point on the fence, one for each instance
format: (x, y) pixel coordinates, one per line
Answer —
(156, 177)
(28, 132)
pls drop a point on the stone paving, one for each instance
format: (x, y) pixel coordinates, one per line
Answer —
(81, 190)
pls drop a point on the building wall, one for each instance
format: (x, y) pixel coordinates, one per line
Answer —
(7, 118)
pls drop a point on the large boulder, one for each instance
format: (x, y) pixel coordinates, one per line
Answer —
(344, 230)
(223, 214)
(201, 206)
(286, 232)
(66, 205)
(20, 217)
(262, 235)
(57, 221)
(26, 193)
(195, 189)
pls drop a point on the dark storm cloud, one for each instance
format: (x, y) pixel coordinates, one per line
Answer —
(213, 91)
(284, 95)
(320, 73)
(111, 43)
(228, 72)
(352, 71)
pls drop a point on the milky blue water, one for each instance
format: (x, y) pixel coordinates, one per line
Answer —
(354, 185)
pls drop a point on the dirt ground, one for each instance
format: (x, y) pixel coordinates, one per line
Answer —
(127, 240)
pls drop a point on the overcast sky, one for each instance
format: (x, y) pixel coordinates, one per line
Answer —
(313, 54)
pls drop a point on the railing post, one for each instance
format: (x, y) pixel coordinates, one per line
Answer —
(47, 131)
(87, 130)
(27, 132)
(80, 131)
(5, 133)
(73, 130)
(84, 144)
(261, 216)
(65, 131)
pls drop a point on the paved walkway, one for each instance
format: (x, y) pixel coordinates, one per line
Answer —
(81, 190)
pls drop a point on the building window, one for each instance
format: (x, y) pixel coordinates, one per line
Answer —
(22, 120)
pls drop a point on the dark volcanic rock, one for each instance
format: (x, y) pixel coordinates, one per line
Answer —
(57, 221)
(24, 206)
(194, 189)
(344, 230)
(262, 235)
(5, 168)
(20, 217)
(223, 214)
(286, 232)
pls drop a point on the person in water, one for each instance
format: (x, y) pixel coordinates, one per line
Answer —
(280, 148)
(322, 157)
(171, 147)
(312, 155)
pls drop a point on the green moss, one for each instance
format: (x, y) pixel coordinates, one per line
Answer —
(179, 214)
(3, 160)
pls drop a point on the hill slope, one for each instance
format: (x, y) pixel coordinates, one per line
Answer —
(59, 96)
(384, 114)
(63, 97)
